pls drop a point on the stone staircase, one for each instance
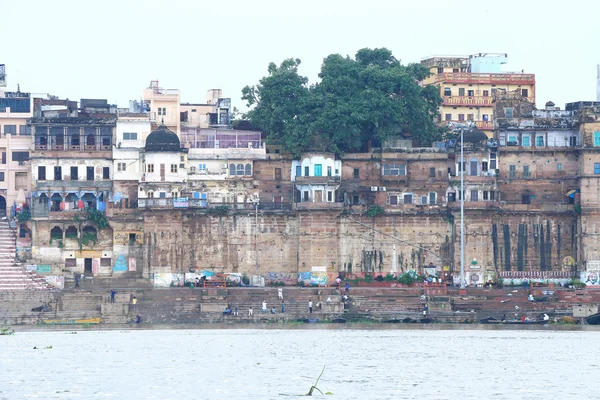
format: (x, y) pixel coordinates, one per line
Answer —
(14, 276)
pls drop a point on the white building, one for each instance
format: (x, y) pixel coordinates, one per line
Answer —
(316, 178)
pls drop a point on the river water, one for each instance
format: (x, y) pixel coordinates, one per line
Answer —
(275, 364)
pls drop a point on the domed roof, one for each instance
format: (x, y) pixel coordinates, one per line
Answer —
(162, 139)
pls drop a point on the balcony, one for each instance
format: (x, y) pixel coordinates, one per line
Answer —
(68, 184)
(486, 177)
(394, 178)
(317, 206)
(544, 207)
(317, 180)
(494, 79)
(475, 205)
(467, 101)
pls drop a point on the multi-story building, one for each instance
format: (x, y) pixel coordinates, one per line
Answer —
(163, 104)
(468, 84)
(316, 177)
(215, 113)
(72, 178)
(15, 146)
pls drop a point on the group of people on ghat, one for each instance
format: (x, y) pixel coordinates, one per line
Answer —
(265, 310)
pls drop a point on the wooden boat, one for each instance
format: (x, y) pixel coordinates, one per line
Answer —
(593, 319)
(392, 321)
(339, 321)
(408, 320)
(426, 320)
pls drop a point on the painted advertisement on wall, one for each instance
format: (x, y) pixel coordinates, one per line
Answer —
(132, 264)
(120, 264)
(164, 280)
(287, 278)
(590, 278)
(313, 278)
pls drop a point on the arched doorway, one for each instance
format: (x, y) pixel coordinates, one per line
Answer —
(2, 206)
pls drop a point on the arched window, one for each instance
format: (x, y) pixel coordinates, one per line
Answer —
(150, 195)
(56, 234)
(248, 169)
(71, 232)
(240, 169)
(231, 169)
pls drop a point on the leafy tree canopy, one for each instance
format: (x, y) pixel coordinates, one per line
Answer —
(358, 101)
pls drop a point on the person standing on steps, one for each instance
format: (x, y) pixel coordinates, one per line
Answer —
(310, 304)
(347, 288)
(264, 307)
(76, 281)
(250, 312)
(112, 295)
(280, 293)
(134, 303)
(282, 307)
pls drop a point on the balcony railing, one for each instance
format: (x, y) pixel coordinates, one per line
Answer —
(468, 77)
(310, 205)
(467, 101)
(483, 125)
(317, 180)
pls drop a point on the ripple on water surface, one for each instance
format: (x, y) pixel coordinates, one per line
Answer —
(271, 364)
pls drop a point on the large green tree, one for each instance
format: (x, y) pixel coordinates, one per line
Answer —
(356, 102)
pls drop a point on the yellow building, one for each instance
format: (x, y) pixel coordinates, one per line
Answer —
(163, 105)
(468, 84)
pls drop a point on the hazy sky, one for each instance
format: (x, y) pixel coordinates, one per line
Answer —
(113, 48)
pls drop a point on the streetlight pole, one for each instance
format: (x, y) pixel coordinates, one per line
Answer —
(462, 209)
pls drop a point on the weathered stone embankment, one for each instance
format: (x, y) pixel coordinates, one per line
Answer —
(199, 306)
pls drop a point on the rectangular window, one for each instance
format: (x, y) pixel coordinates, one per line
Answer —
(121, 167)
(393, 200)
(512, 141)
(573, 141)
(461, 117)
(432, 172)
(355, 199)
(305, 195)
(508, 112)
(90, 173)
(105, 173)
(41, 173)
(3, 157)
(12, 129)
(526, 171)
(461, 91)
(318, 170)
(484, 166)
(512, 171)
(474, 195)
(485, 195)
(526, 141)
(559, 167)
(129, 135)
(277, 174)
(356, 173)
(329, 171)
(470, 93)
(162, 195)
(432, 198)
(525, 199)
(539, 141)
(306, 171)
(597, 139)
(524, 92)
(486, 93)
(408, 198)
(484, 117)
(74, 173)
(447, 91)
(329, 196)
(24, 130)
(596, 168)
(448, 117)
(440, 70)
(423, 200)
(58, 173)
(298, 170)
(1, 176)
(202, 168)
(20, 156)
(150, 168)
(492, 195)
(173, 168)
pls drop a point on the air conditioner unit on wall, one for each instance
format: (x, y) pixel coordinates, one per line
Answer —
(373, 188)
(224, 166)
(382, 189)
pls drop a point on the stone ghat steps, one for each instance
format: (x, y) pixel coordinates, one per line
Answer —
(18, 318)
